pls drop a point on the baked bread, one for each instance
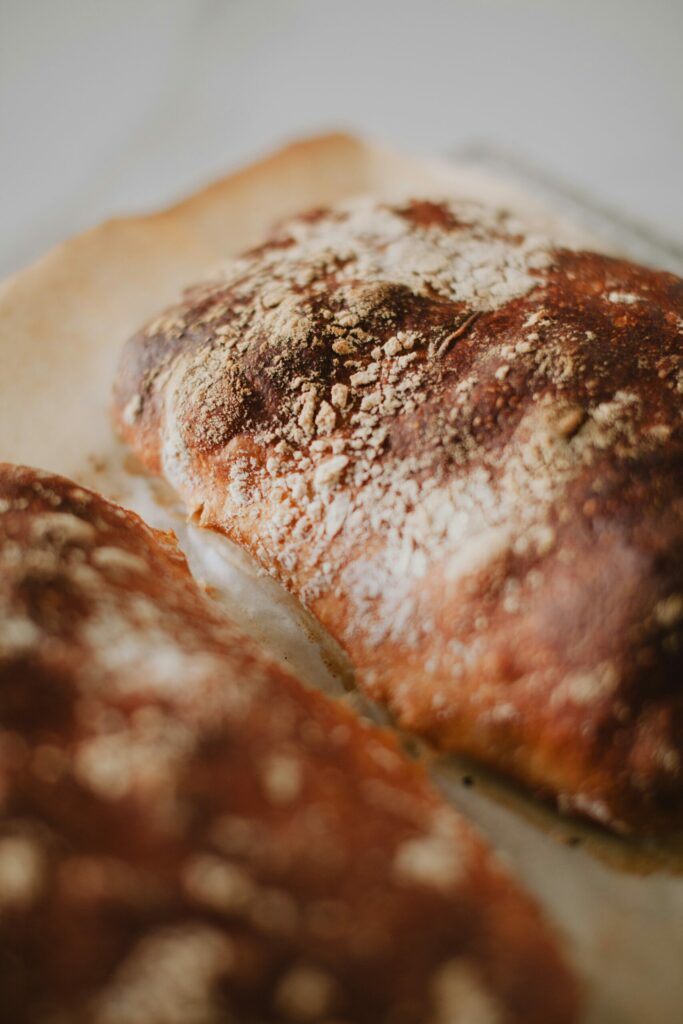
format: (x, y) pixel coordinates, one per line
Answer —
(188, 836)
(460, 446)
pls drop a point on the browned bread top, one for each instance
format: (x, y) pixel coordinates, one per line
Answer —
(462, 448)
(188, 836)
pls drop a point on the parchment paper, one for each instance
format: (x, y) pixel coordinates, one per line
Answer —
(619, 905)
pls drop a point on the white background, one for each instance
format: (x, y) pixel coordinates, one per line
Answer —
(115, 106)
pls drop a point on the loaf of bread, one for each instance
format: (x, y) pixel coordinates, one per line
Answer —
(188, 836)
(461, 447)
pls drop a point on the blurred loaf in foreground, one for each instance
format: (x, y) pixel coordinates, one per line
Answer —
(188, 836)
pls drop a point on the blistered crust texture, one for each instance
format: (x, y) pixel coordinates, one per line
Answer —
(461, 447)
(188, 836)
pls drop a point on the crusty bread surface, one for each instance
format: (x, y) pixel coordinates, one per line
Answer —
(460, 446)
(188, 836)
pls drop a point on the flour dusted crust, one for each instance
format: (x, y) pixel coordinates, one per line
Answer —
(460, 445)
(188, 836)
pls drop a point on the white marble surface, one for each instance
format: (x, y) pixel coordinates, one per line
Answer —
(113, 107)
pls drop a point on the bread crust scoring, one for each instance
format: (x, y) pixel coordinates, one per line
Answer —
(461, 447)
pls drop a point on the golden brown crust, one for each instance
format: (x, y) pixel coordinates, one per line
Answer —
(461, 447)
(188, 835)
